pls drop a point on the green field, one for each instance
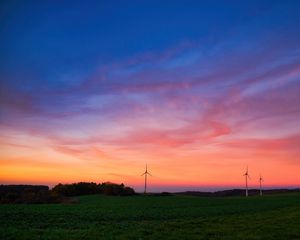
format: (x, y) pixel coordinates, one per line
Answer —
(152, 217)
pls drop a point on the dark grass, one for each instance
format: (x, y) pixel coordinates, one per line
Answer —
(151, 217)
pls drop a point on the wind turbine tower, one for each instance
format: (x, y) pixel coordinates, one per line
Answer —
(260, 187)
(246, 178)
(146, 173)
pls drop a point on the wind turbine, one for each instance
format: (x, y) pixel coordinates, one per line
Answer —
(146, 173)
(246, 177)
(260, 188)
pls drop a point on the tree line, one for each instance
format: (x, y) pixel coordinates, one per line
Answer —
(27, 194)
(60, 192)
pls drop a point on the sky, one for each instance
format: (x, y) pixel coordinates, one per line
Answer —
(198, 90)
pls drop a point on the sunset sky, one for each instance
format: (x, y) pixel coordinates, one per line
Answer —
(198, 90)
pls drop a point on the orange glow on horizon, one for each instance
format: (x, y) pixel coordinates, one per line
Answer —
(183, 168)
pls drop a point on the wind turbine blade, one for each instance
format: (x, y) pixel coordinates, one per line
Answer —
(150, 174)
(143, 174)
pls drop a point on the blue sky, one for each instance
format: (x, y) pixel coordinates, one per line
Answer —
(149, 81)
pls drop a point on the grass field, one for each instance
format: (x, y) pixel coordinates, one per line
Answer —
(152, 217)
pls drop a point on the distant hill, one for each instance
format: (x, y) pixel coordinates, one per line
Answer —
(236, 192)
